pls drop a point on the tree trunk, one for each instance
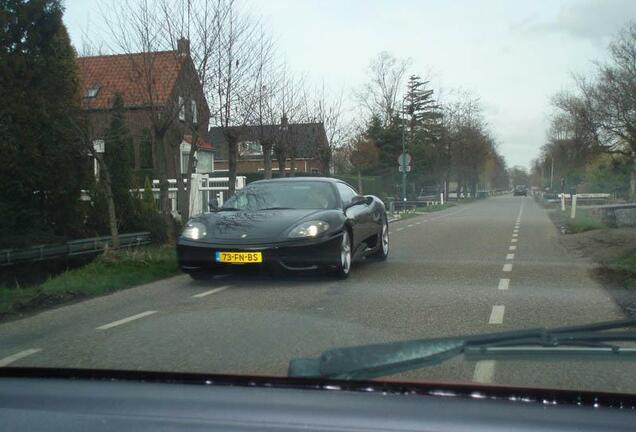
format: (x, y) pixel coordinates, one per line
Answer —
(632, 182)
(292, 166)
(232, 162)
(267, 160)
(105, 183)
(281, 166)
(166, 208)
(360, 190)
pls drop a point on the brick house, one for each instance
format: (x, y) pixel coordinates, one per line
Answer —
(303, 145)
(176, 93)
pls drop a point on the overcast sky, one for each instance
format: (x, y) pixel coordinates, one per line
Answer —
(512, 54)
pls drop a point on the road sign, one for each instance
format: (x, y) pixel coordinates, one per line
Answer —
(404, 159)
(401, 168)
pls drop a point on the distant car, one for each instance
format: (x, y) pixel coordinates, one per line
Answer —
(295, 223)
(520, 190)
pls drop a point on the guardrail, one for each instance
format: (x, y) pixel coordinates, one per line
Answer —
(71, 248)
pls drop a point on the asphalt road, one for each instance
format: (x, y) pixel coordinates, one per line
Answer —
(466, 270)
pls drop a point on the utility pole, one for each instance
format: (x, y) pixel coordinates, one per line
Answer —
(403, 155)
(551, 172)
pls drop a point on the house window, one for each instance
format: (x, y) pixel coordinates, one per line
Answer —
(91, 92)
(98, 147)
(185, 158)
(250, 148)
(193, 106)
(181, 109)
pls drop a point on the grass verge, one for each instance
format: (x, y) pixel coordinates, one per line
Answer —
(584, 221)
(625, 269)
(107, 273)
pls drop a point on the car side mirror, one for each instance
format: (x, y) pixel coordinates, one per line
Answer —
(357, 200)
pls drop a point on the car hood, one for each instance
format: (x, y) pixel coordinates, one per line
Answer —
(265, 225)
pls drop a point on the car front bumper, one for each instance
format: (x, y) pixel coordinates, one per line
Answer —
(302, 255)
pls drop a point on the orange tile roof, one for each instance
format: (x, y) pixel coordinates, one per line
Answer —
(124, 73)
(201, 143)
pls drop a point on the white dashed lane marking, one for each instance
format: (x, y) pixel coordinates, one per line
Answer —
(212, 291)
(400, 229)
(497, 314)
(125, 320)
(18, 356)
(484, 371)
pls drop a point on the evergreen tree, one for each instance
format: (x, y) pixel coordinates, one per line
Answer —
(422, 110)
(118, 144)
(42, 159)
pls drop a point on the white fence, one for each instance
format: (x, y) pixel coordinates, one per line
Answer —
(204, 191)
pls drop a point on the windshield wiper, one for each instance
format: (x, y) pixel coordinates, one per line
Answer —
(275, 208)
(372, 361)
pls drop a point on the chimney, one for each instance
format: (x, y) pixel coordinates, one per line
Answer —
(183, 47)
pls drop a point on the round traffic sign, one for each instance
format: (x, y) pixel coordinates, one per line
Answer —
(404, 159)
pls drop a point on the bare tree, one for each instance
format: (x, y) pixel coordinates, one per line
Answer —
(268, 84)
(290, 103)
(141, 32)
(329, 112)
(92, 146)
(234, 77)
(382, 94)
(193, 21)
(601, 116)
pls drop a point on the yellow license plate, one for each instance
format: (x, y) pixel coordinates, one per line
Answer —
(239, 257)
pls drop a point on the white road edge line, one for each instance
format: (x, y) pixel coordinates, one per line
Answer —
(497, 314)
(515, 235)
(17, 356)
(510, 256)
(507, 267)
(212, 291)
(504, 284)
(514, 240)
(513, 247)
(125, 320)
(484, 371)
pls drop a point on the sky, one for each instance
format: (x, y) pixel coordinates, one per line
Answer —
(513, 55)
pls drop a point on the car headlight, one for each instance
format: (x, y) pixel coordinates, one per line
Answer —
(309, 229)
(194, 231)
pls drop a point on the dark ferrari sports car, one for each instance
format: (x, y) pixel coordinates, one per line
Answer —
(301, 223)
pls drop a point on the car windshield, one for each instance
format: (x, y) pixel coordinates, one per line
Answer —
(283, 195)
(321, 188)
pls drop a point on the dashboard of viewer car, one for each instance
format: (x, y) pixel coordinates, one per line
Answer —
(99, 401)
